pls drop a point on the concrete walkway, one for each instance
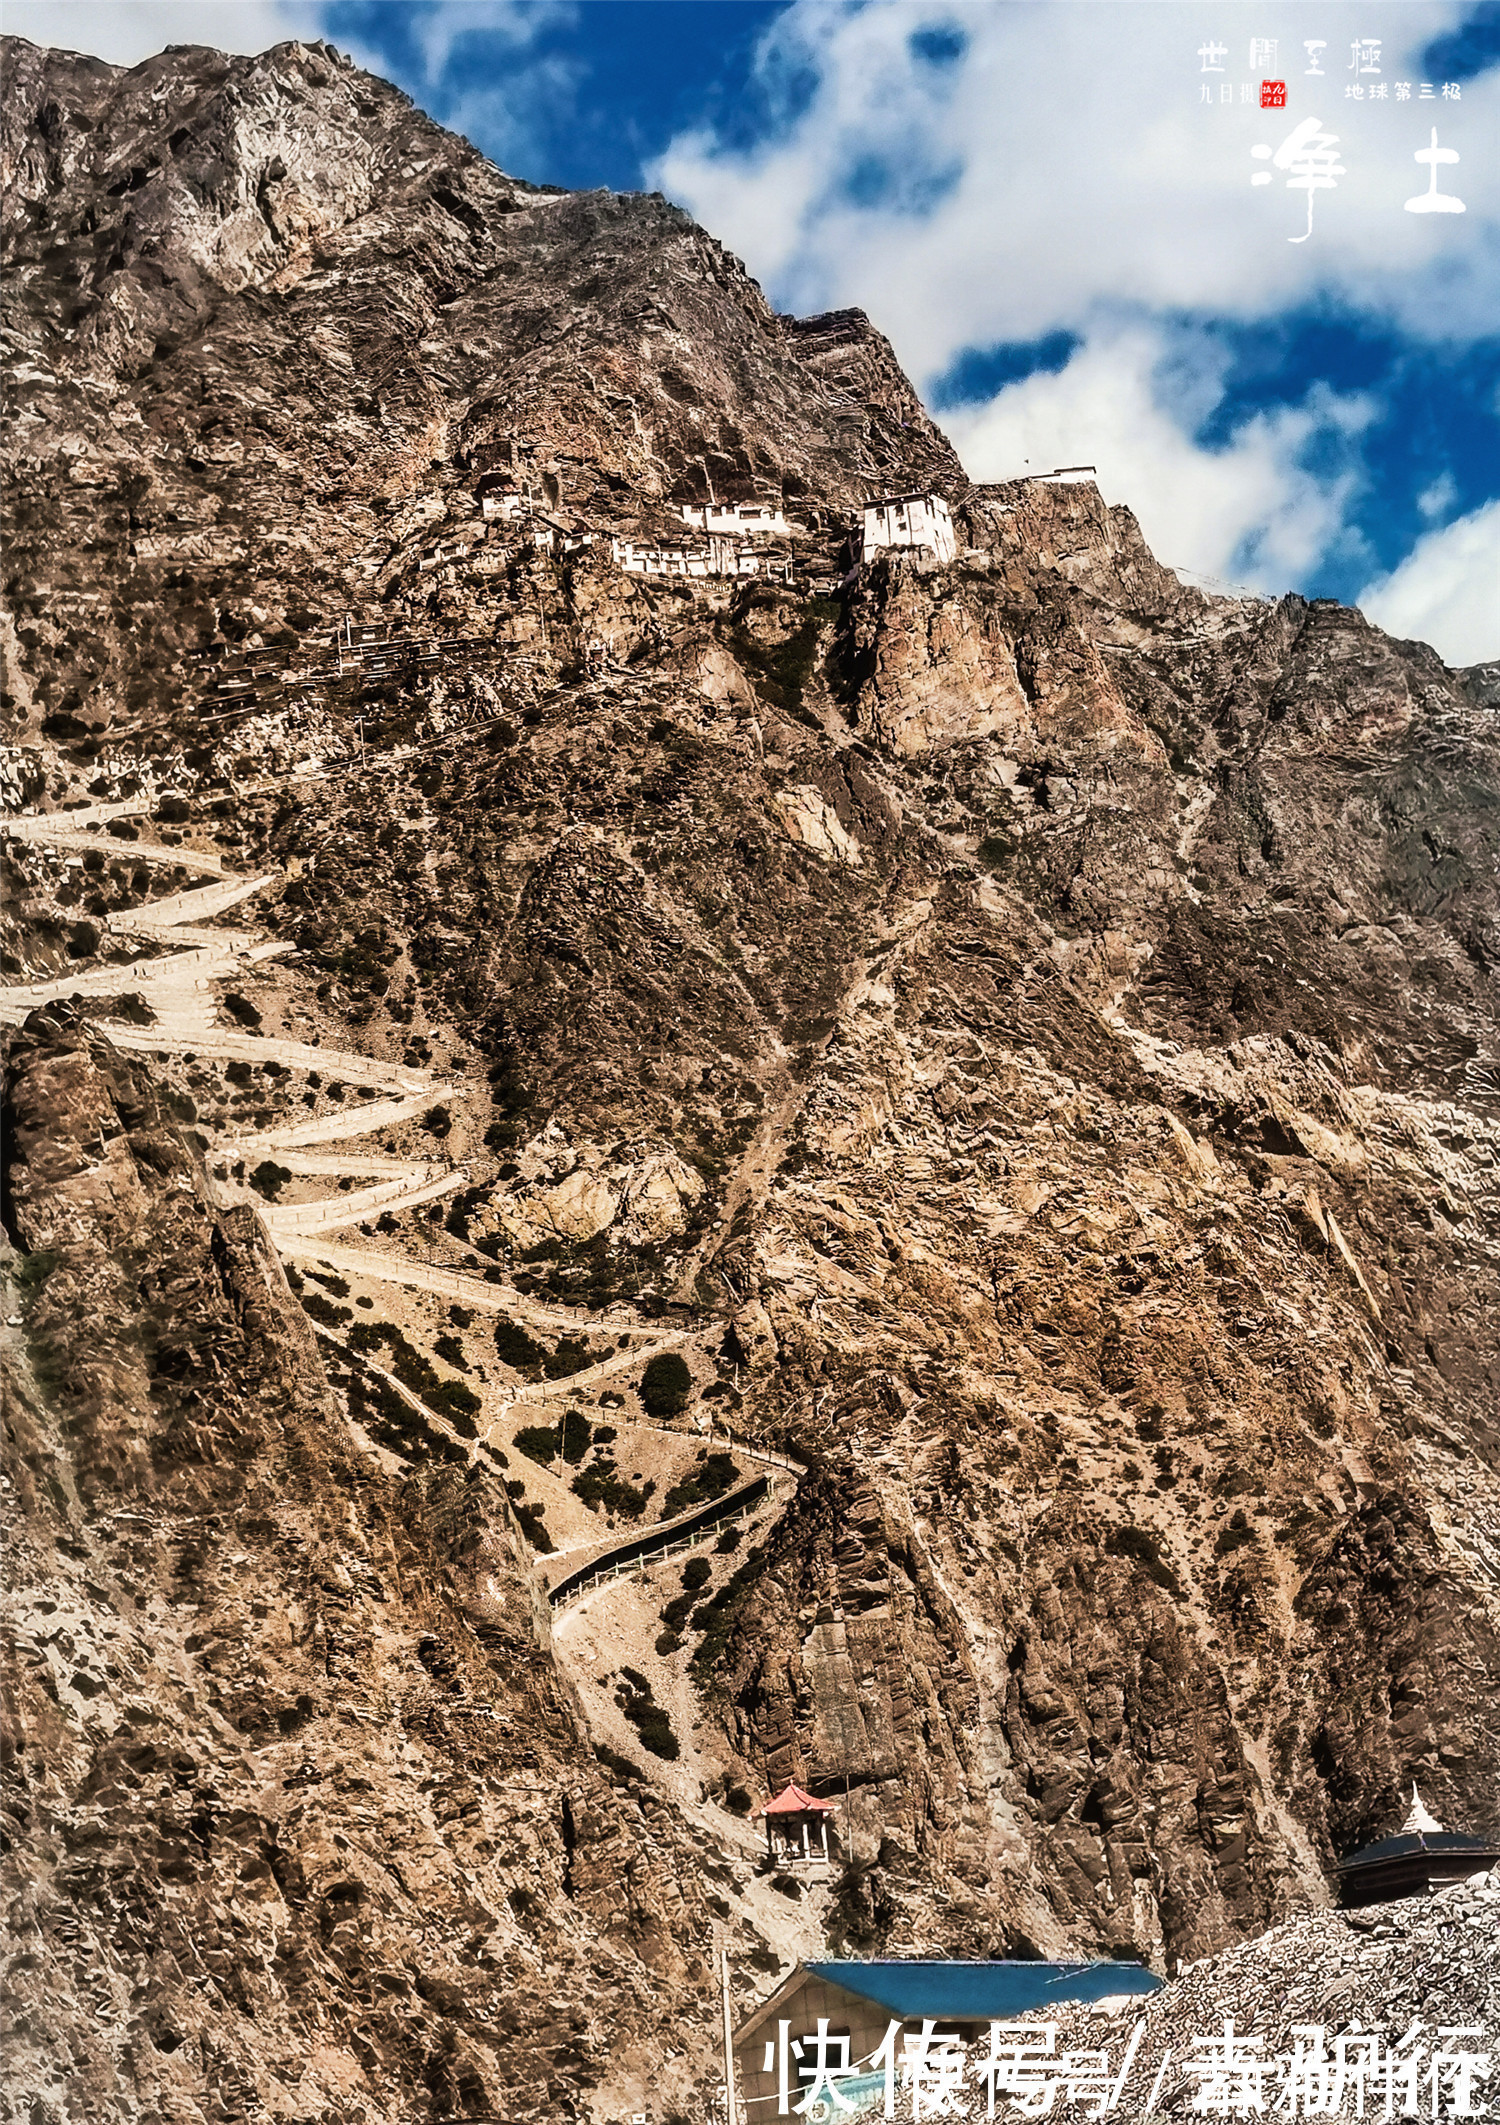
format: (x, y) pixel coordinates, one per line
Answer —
(331, 1211)
(204, 901)
(337, 1123)
(49, 834)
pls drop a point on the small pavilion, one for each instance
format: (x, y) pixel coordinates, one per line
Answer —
(1420, 1857)
(797, 1828)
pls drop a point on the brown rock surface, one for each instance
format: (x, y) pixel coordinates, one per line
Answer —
(1024, 1033)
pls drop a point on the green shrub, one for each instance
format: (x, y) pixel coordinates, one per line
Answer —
(530, 1517)
(668, 1643)
(539, 1442)
(451, 1351)
(620, 1766)
(320, 1309)
(569, 1357)
(666, 1385)
(459, 1404)
(715, 1474)
(576, 1435)
(602, 1485)
(514, 1347)
(696, 1572)
(678, 1609)
(716, 1617)
(269, 1179)
(649, 1719)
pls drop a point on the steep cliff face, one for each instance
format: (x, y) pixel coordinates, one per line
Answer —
(305, 1816)
(1022, 1034)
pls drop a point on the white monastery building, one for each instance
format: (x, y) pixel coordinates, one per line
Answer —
(747, 519)
(720, 557)
(911, 520)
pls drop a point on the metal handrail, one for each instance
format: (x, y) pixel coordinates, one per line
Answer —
(611, 1566)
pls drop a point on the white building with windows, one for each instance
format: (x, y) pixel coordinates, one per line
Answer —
(720, 557)
(739, 519)
(922, 521)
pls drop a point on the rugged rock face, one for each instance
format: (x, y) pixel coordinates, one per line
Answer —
(307, 1819)
(1024, 1033)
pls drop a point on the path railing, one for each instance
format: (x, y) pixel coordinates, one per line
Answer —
(672, 1541)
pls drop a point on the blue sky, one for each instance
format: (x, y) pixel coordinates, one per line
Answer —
(1048, 205)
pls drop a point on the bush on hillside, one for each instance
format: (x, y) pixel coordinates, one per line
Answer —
(666, 1385)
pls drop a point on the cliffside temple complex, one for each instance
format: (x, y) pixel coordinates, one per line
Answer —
(718, 557)
(776, 2049)
(1420, 1857)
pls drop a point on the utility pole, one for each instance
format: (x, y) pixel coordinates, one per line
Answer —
(730, 2109)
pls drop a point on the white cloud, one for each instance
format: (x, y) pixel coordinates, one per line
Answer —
(1090, 174)
(1447, 590)
(1093, 191)
(1248, 512)
(126, 31)
(1438, 499)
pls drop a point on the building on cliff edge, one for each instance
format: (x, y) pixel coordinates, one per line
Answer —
(923, 521)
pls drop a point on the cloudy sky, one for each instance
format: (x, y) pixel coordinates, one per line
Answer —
(1086, 237)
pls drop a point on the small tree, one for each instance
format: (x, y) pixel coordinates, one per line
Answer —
(666, 1385)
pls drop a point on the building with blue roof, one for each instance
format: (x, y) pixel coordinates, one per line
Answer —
(776, 2048)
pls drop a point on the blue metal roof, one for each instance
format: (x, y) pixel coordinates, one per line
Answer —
(981, 1992)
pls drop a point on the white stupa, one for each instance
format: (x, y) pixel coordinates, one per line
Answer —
(1418, 1821)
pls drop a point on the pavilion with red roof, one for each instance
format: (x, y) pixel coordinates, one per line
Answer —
(797, 1828)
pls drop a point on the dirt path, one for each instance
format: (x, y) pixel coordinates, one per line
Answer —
(337, 1123)
(332, 1211)
(34, 826)
(454, 1284)
(360, 1165)
(179, 988)
(553, 1390)
(158, 852)
(198, 905)
(253, 1047)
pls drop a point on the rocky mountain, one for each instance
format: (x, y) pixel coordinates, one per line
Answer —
(1004, 1050)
